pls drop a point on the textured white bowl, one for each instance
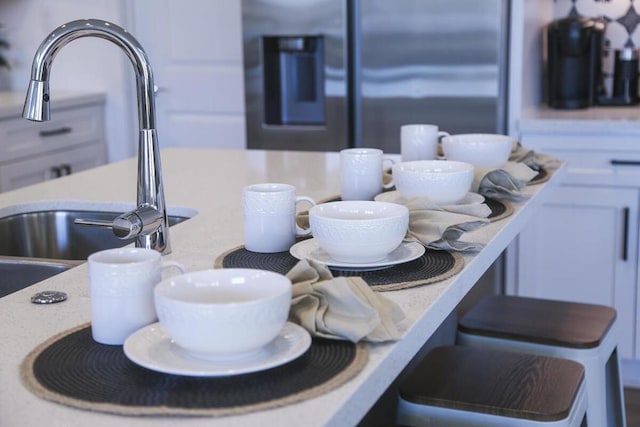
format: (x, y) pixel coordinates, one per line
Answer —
(358, 231)
(443, 181)
(483, 150)
(223, 312)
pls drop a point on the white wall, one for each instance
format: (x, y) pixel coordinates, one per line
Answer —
(86, 64)
(195, 47)
(616, 36)
(210, 108)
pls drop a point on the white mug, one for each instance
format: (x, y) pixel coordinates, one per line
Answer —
(121, 283)
(270, 217)
(419, 142)
(361, 173)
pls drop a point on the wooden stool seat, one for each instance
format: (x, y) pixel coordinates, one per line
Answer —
(583, 333)
(556, 323)
(493, 382)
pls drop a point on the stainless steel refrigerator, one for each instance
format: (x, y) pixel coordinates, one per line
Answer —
(329, 74)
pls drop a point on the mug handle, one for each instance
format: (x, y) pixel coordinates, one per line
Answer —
(299, 230)
(173, 264)
(441, 134)
(389, 184)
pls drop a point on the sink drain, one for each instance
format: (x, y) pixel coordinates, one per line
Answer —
(48, 297)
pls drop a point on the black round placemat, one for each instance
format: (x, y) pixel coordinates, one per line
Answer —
(75, 370)
(431, 267)
(542, 176)
(499, 209)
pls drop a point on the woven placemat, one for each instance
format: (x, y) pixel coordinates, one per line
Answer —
(433, 266)
(74, 370)
(543, 176)
(500, 209)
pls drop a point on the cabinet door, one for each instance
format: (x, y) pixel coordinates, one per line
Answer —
(43, 168)
(69, 127)
(200, 102)
(582, 246)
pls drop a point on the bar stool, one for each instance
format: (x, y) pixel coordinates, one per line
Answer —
(584, 333)
(465, 386)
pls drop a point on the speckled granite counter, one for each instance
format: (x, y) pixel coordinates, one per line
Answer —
(210, 181)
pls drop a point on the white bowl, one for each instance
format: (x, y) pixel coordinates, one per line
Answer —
(444, 182)
(223, 312)
(358, 231)
(483, 150)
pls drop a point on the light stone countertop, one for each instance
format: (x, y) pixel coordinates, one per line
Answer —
(611, 120)
(211, 182)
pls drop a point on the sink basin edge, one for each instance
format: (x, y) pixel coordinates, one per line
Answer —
(84, 205)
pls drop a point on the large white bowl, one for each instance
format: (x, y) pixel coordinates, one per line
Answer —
(223, 312)
(444, 182)
(483, 150)
(358, 231)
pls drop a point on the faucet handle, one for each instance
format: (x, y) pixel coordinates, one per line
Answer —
(142, 220)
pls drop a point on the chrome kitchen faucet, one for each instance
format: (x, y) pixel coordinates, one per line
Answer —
(148, 221)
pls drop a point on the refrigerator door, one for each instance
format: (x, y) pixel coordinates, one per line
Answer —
(295, 74)
(440, 62)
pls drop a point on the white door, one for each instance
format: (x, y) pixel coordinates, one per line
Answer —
(582, 246)
(195, 49)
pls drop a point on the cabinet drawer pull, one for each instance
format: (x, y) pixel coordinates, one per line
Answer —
(625, 234)
(617, 162)
(56, 171)
(55, 132)
(65, 169)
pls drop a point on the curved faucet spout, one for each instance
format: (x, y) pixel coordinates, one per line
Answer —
(150, 190)
(37, 102)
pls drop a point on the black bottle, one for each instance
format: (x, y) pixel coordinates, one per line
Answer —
(625, 76)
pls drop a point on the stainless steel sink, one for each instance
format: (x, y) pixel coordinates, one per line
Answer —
(16, 274)
(40, 242)
(52, 234)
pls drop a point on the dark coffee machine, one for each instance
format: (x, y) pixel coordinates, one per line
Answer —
(574, 49)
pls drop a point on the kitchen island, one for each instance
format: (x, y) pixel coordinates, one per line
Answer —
(210, 182)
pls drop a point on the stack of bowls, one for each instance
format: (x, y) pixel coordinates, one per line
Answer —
(358, 231)
(223, 313)
(444, 182)
(483, 150)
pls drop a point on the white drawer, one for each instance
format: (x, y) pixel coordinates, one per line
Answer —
(43, 168)
(590, 162)
(20, 138)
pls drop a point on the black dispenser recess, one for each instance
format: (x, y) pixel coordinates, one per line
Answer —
(293, 80)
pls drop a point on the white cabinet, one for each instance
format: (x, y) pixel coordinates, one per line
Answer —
(72, 141)
(42, 168)
(584, 245)
(581, 247)
(195, 47)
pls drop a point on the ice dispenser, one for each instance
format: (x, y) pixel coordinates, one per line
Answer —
(293, 80)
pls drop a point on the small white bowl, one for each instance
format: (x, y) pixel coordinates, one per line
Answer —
(444, 182)
(223, 313)
(483, 150)
(359, 231)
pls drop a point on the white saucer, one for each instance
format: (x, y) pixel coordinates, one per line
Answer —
(394, 196)
(152, 348)
(309, 249)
